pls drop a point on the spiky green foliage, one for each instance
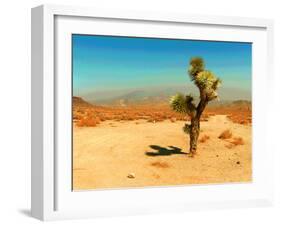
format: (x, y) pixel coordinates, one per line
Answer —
(191, 108)
(183, 104)
(208, 84)
(216, 84)
(186, 128)
(178, 103)
(205, 79)
(196, 66)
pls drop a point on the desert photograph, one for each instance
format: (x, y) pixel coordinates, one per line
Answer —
(160, 112)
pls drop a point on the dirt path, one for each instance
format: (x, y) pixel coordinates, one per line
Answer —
(156, 154)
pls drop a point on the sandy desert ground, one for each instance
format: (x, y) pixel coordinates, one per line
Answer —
(138, 153)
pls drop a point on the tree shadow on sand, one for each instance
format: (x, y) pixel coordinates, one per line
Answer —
(162, 151)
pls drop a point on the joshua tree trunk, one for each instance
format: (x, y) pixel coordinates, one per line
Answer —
(194, 134)
(195, 125)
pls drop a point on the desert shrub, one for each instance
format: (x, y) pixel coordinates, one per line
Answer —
(142, 117)
(225, 134)
(158, 119)
(160, 164)
(88, 122)
(173, 119)
(102, 117)
(229, 146)
(77, 116)
(81, 111)
(237, 141)
(204, 119)
(211, 114)
(204, 138)
(181, 118)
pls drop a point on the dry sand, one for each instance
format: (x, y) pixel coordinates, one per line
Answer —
(105, 155)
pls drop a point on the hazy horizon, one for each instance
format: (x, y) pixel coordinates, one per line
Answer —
(110, 66)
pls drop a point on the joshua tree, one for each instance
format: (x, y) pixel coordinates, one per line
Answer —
(207, 84)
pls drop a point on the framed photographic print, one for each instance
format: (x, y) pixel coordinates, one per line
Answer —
(137, 113)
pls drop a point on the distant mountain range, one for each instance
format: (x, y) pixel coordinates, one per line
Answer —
(160, 95)
(135, 97)
(80, 102)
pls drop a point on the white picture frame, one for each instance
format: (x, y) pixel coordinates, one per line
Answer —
(52, 197)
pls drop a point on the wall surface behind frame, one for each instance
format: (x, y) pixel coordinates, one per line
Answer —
(15, 111)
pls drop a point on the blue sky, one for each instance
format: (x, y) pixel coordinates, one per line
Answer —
(109, 63)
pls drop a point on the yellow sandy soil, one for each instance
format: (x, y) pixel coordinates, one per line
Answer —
(105, 155)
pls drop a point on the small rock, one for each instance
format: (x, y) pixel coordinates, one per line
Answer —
(131, 175)
(217, 155)
(238, 162)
